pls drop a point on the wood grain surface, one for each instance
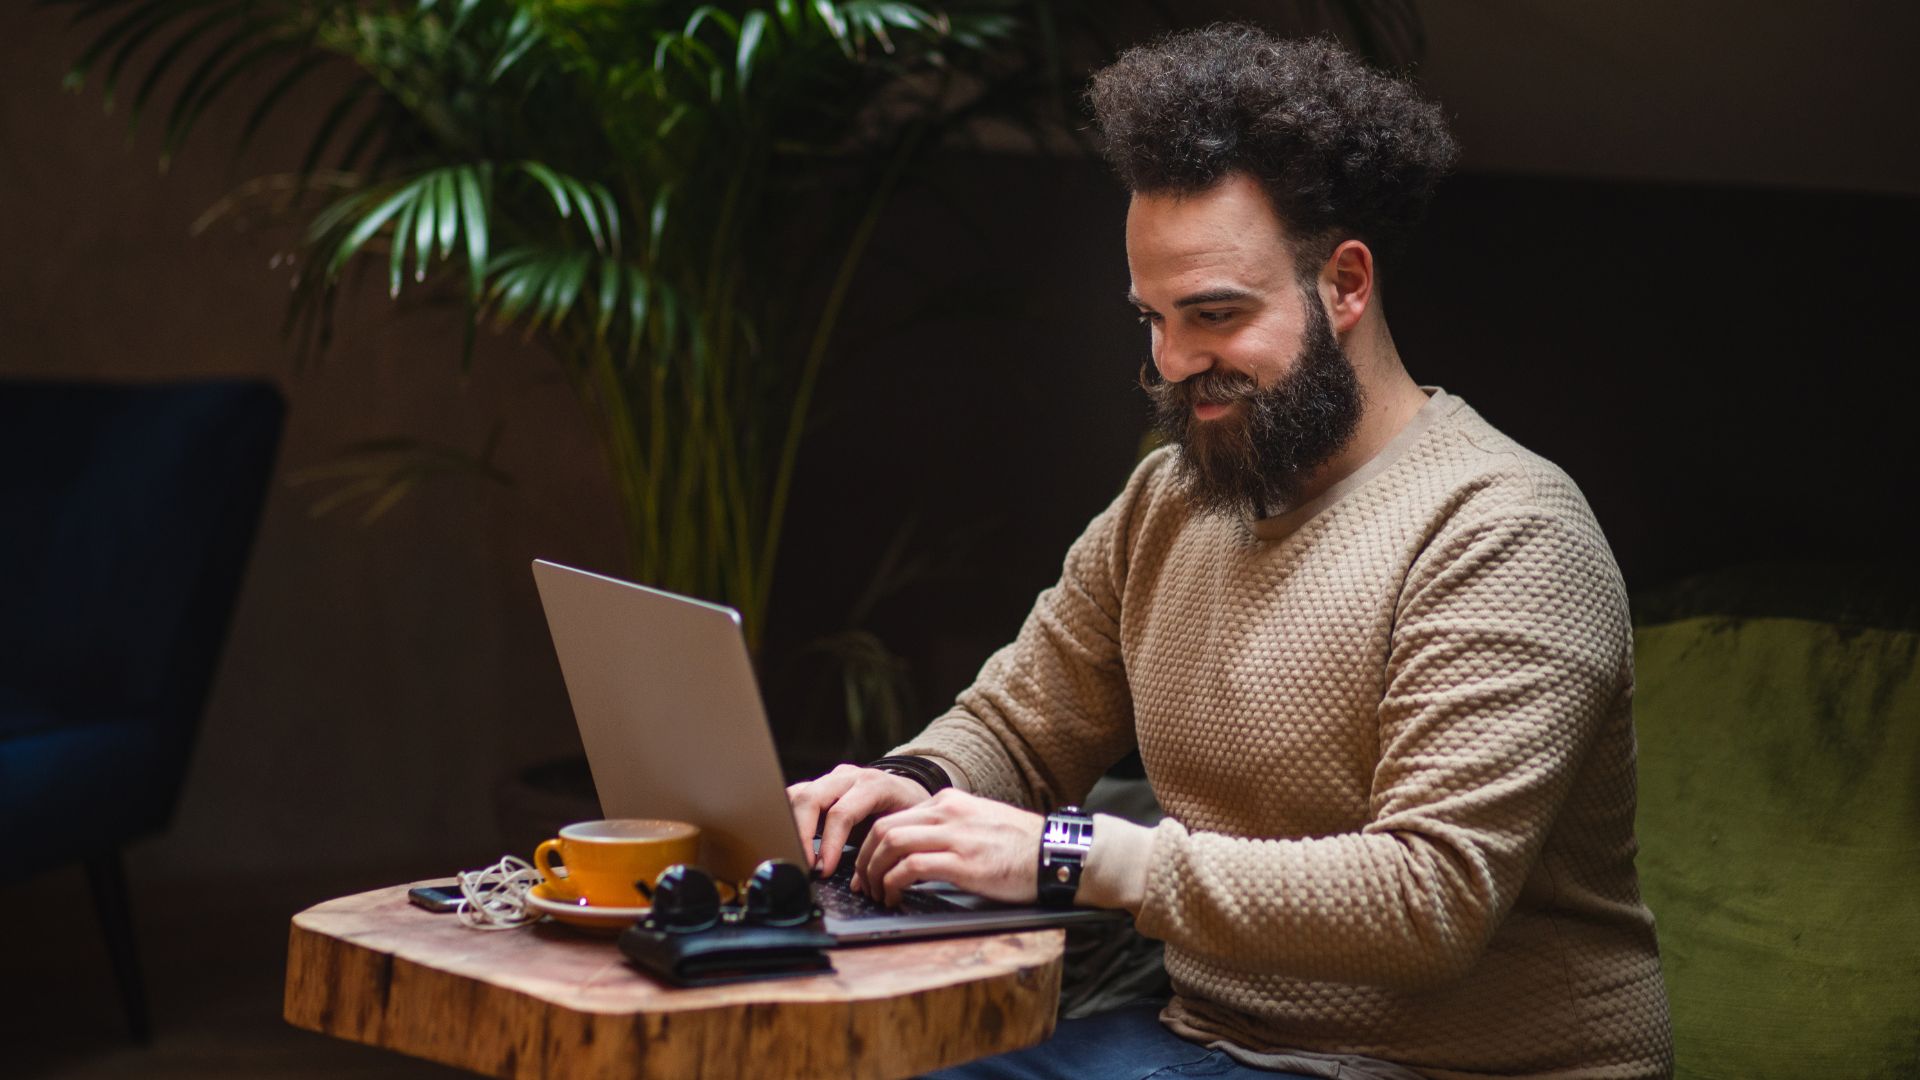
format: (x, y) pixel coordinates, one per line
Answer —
(550, 1001)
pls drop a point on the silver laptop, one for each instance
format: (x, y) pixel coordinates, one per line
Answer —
(673, 724)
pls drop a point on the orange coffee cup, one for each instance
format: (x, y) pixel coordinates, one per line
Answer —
(604, 858)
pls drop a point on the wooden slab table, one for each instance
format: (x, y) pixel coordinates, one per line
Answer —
(551, 1001)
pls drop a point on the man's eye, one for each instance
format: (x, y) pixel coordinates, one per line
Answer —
(1146, 318)
(1212, 318)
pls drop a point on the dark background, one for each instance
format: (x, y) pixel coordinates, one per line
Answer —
(1678, 261)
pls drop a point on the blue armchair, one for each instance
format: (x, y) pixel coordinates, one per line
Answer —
(126, 515)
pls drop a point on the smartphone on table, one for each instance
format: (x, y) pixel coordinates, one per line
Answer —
(439, 896)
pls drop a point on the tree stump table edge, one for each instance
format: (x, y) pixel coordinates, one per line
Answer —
(380, 973)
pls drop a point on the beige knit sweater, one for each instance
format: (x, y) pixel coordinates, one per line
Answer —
(1392, 732)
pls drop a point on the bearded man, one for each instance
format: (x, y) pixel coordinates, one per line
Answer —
(1374, 655)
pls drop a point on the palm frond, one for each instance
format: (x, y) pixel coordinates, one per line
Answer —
(609, 179)
(381, 472)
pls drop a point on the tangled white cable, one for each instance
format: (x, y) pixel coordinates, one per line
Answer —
(496, 898)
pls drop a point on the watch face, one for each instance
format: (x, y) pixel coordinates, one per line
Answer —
(1067, 832)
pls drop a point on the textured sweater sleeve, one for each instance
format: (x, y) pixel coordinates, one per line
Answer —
(1049, 713)
(1510, 648)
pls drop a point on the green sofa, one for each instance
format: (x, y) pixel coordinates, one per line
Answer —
(1779, 727)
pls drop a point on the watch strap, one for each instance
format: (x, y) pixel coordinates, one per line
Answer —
(1065, 840)
(918, 769)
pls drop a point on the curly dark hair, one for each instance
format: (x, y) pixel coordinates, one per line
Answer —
(1342, 150)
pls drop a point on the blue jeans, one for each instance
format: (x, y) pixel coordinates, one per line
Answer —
(1125, 1044)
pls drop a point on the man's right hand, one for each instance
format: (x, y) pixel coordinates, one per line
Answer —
(837, 802)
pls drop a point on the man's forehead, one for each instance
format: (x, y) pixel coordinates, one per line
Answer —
(1181, 269)
(1225, 236)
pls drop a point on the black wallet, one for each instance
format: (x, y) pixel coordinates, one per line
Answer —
(728, 954)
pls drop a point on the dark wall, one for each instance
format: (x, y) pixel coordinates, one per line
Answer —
(985, 409)
(1726, 372)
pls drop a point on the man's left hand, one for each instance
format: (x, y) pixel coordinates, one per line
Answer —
(980, 845)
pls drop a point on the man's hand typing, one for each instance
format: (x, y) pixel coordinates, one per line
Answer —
(836, 803)
(986, 847)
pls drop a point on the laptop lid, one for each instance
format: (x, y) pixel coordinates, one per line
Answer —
(670, 715)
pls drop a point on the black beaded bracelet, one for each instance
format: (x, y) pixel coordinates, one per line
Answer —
(918, 769)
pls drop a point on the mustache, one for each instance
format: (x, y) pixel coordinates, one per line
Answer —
(1214, 387)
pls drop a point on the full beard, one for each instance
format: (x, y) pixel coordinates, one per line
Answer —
(1253, 462)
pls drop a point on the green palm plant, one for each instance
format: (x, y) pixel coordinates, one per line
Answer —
(671, 197)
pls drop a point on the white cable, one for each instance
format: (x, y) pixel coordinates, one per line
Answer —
(496, 898)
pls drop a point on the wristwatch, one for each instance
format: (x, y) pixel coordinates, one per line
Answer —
(1064, 844)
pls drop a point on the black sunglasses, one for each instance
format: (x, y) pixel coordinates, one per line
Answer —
(685, 899)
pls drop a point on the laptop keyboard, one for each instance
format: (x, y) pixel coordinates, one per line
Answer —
(836, 897)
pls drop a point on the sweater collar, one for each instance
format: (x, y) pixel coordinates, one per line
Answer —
(1439, 405)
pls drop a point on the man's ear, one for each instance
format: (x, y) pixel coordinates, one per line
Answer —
(1346, 284)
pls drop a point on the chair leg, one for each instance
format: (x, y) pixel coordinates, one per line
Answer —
(107, 875)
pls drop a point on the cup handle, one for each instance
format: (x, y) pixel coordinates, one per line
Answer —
(543, 859)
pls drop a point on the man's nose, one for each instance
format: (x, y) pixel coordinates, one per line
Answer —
(1180, 357)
